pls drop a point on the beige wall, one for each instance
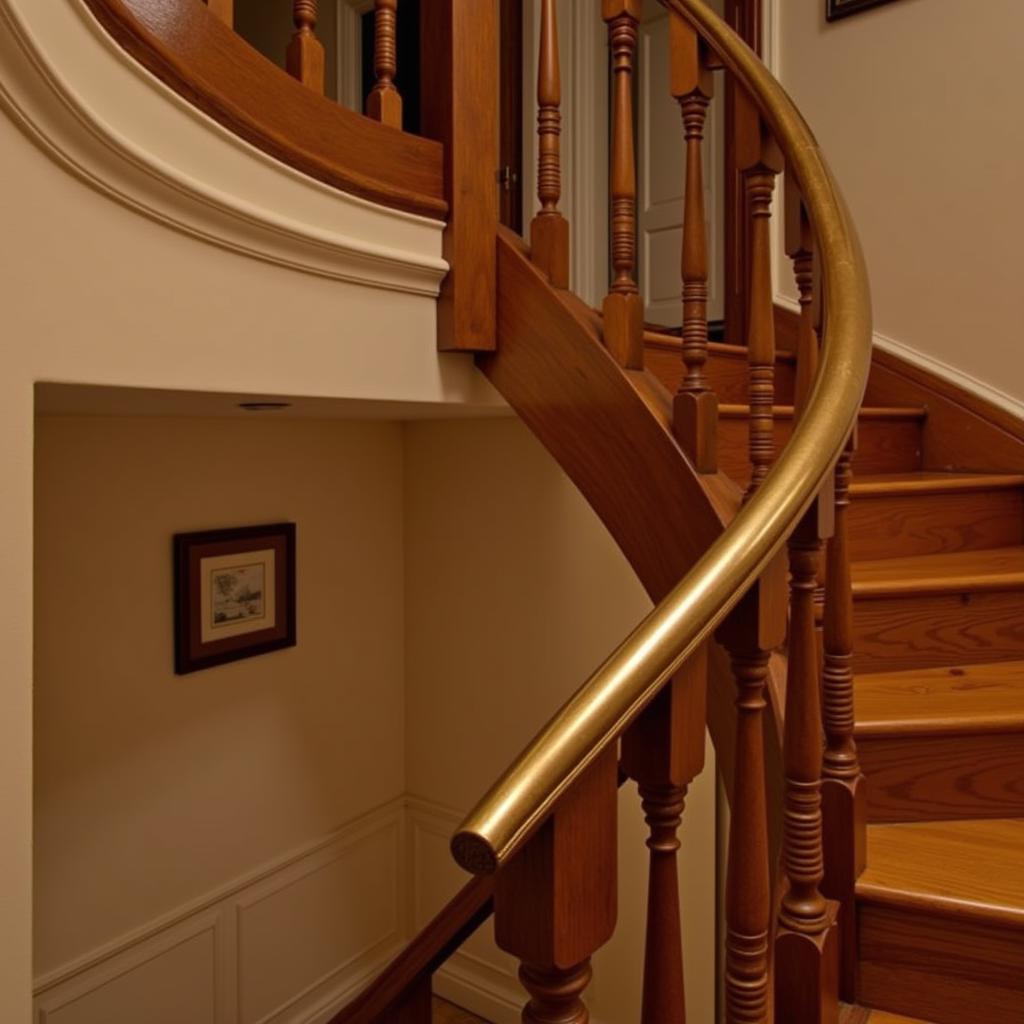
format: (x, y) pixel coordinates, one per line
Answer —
(153, 789)
(514, 594)
(917, 105)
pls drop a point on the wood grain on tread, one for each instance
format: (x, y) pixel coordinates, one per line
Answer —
(906, 514)
(958, 572)
(944, 701)
(963, 869)
(881, 1017)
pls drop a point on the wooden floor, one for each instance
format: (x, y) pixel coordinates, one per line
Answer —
(446, 1013)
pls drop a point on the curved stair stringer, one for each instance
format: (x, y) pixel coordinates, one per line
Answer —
(608, 429)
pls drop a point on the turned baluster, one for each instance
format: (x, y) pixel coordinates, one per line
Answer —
(800, 249)
(754, 628)
(623, 307)
(664, 752)
(384, 103)
(844, 793)
(695, 413)
(549, 231)
(759, 159)
(224, 9)
(554, 905)
(305, 58)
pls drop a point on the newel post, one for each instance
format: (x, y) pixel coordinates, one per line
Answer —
(555, 901)
(459, 108)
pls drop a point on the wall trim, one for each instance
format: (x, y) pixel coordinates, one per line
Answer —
(104, 118)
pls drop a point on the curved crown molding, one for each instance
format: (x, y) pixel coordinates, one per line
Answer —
(106, 119)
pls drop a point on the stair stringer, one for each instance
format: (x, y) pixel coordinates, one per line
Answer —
(608, 429)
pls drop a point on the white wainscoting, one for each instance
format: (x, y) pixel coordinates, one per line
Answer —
(290, 943)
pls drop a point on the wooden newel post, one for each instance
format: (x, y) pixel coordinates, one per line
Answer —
(384, 103)
(753, 630)
(549, 232)
(806, 941)
(844, 788)
(555, 901)
(623, 307)
(305, 58)
(664, 752)
(224, 9)
(459, 108)
(800, 249)
(695, 413)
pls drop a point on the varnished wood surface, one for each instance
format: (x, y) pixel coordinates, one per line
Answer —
(959, 700)
(965, 869)
(203, 60)
(448, 1013)
(901, 514)
(959, 572)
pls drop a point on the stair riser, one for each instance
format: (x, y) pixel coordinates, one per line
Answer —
(903, 525)
(933, 630)
(940, 968)
(939, 778)
(727, 377)
(885, 446)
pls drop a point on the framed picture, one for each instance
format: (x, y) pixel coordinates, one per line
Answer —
(234, 594)
(842, 8)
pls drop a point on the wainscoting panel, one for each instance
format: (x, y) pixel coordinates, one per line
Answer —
(290, 943)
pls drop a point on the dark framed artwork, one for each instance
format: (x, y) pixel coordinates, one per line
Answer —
(842, 8)
(234, 594)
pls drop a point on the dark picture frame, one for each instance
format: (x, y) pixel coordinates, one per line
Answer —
(234, 594)
(835, 9)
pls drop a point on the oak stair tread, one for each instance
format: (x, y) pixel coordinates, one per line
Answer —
(924, 483)
(965, 699)
(867, 412)
(958, 572)
(881, 1017)
(964, 869)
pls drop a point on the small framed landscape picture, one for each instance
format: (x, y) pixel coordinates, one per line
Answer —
(835, 9)
(234, 594)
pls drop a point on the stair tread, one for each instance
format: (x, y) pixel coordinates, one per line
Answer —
(959, 571)
(967, 869)
(963, 699)
(881, 1017)
(867, 412)
(926, 482)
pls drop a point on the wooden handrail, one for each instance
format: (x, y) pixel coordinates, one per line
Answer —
(192, 51)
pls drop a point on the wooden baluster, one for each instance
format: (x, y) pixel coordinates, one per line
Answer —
(554, 905)
(759, 159)
(753, 630)
(806, 942)
(305, 59)
(695, 414)
(623, 307)
(384, 103)
(224, 9)
(800, 249)
(844, 793)
(664, 752)
(549, 232)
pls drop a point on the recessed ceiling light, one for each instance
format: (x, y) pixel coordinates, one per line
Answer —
(263, 406)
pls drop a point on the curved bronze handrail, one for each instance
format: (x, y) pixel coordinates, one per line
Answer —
(598, 713)
(194, 53)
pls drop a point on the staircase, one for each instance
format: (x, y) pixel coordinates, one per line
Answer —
(834, 545)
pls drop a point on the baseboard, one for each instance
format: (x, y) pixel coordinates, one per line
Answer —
(258, 950)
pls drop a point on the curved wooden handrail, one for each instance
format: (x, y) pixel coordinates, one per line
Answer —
(597, 715)
(200, 58)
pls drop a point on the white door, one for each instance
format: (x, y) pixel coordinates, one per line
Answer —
(661, 178)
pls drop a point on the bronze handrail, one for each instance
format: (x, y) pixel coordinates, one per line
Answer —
(598, 713)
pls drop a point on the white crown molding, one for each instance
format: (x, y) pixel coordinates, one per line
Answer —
(104, 118)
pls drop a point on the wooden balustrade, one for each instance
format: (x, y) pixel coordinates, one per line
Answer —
(623, 307)
(800, 249)
(555, 902)
(384, 103)
(305, 58)
(224, 9)
(695, 411)
(664, 752)
(549, 231)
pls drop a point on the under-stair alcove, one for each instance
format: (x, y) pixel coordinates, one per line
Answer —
(254, 841)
